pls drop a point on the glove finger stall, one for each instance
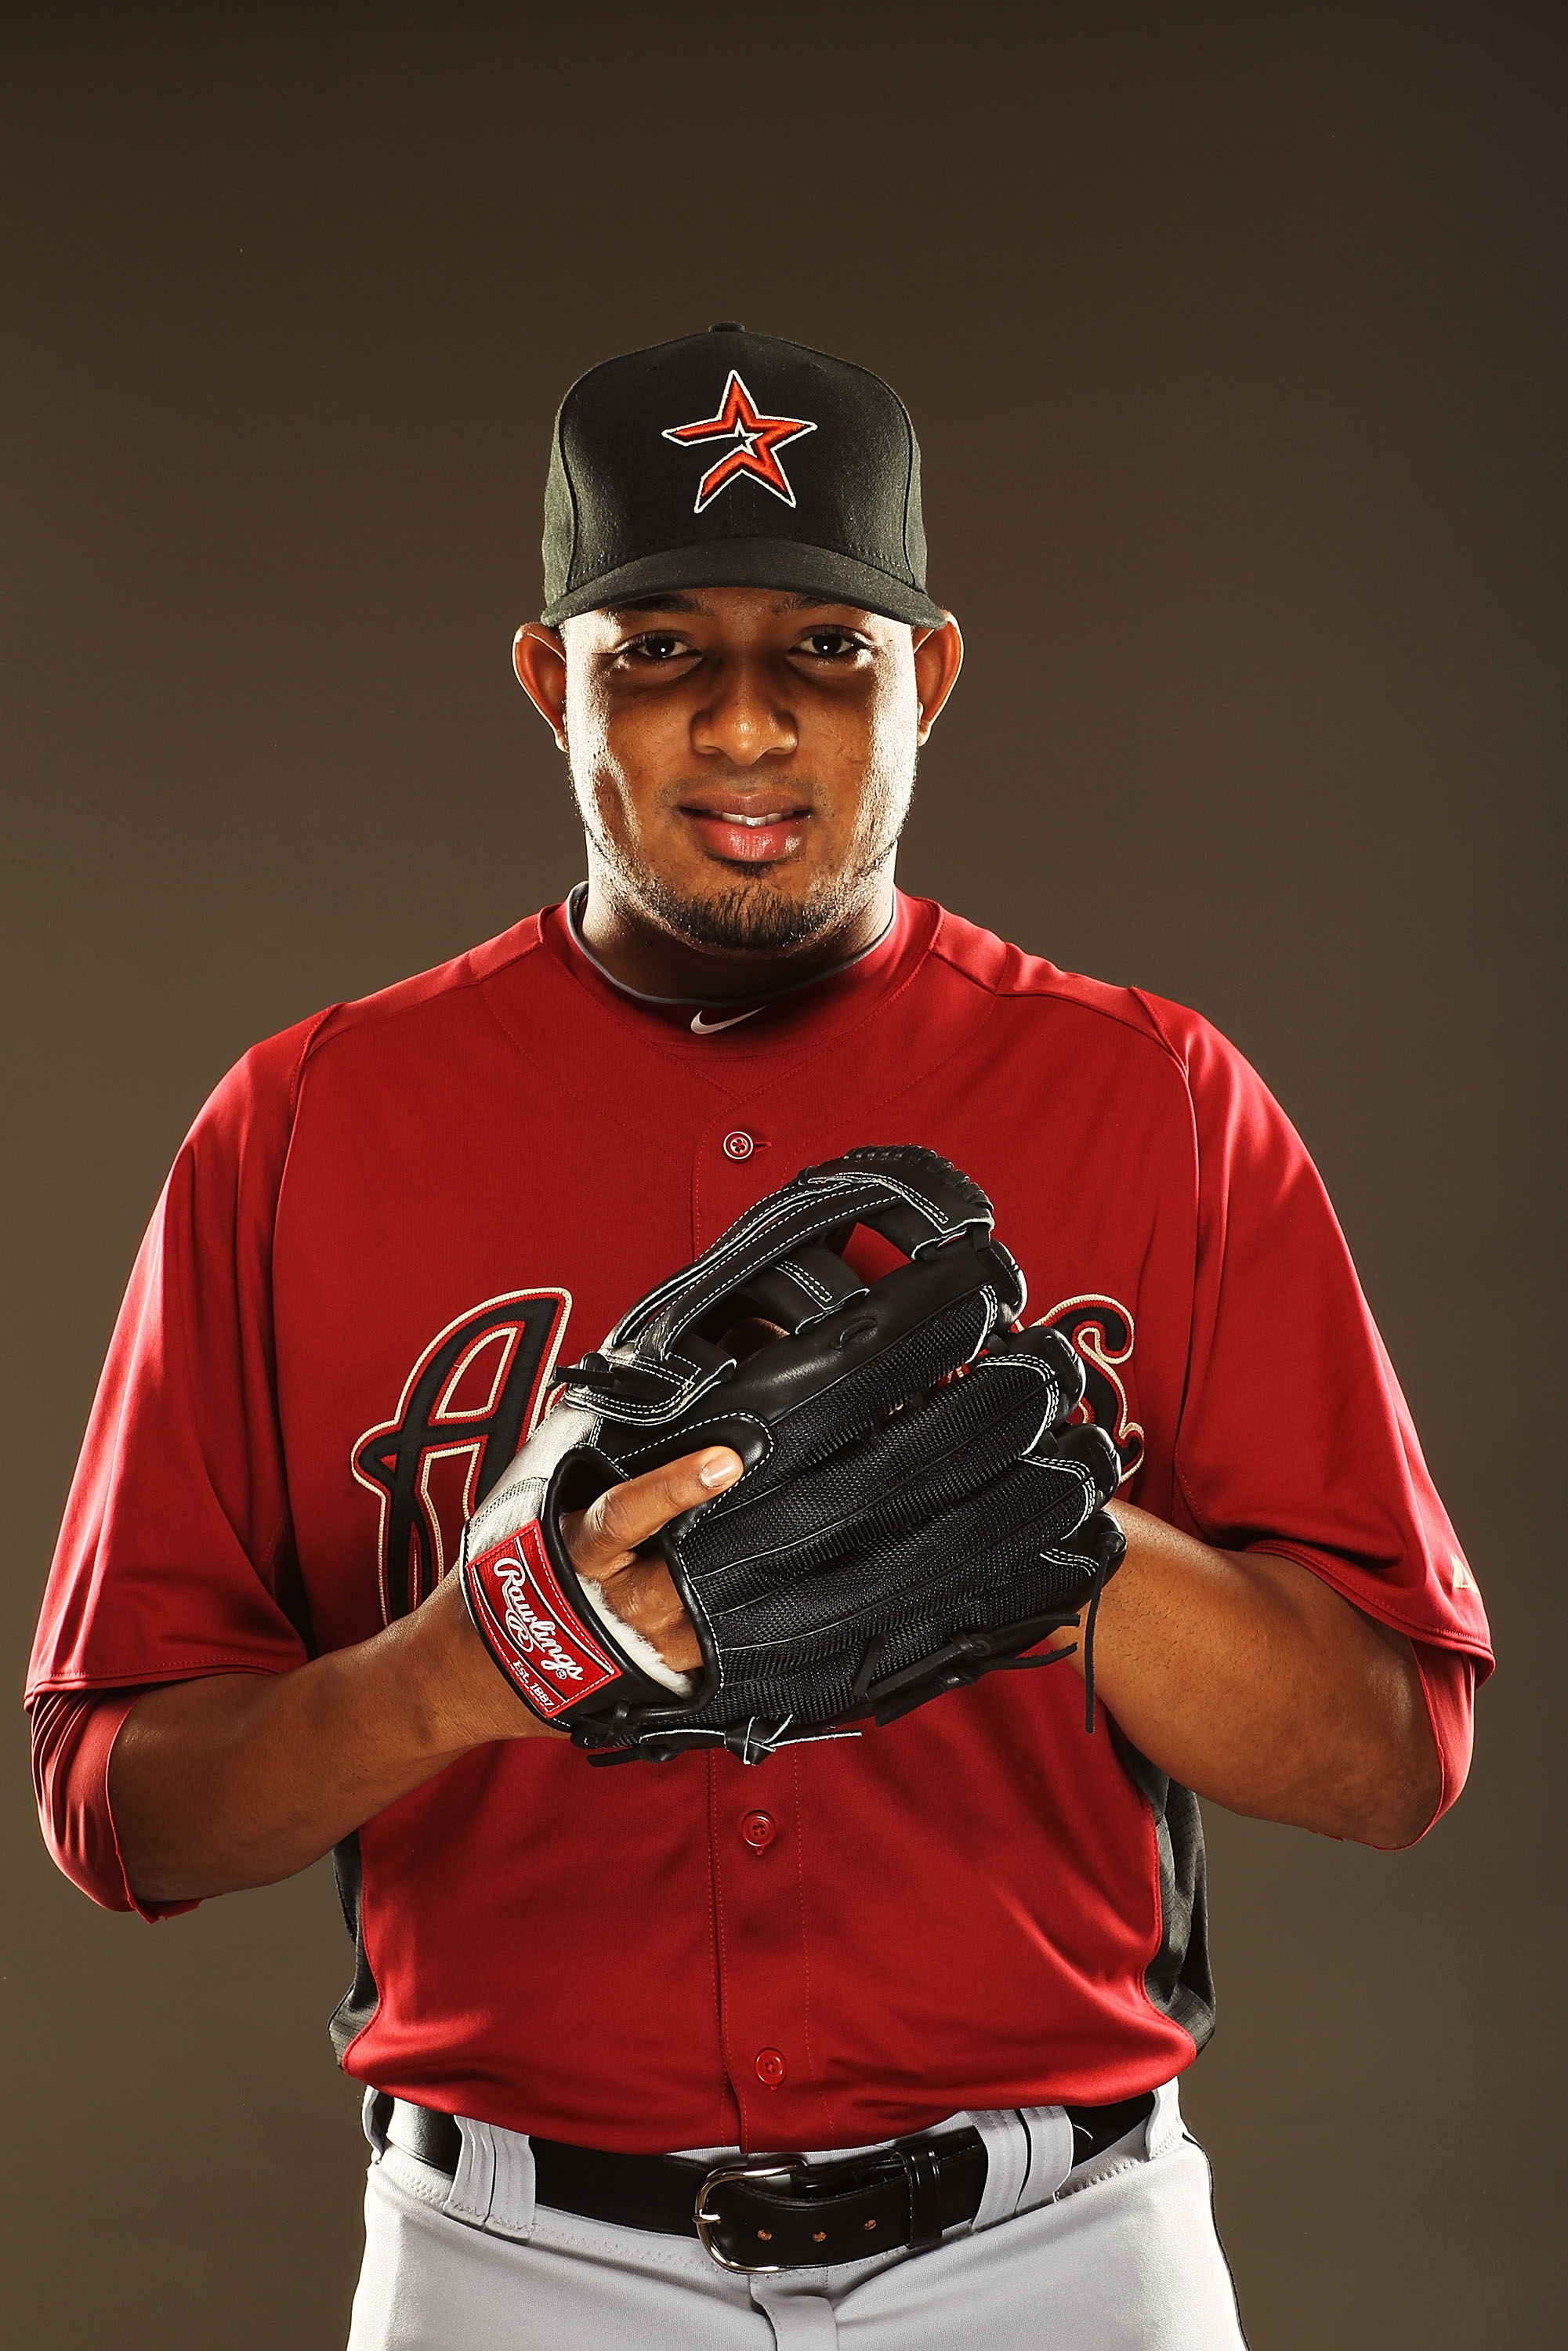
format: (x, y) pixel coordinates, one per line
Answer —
(965, 1551)
(814, 1674)
(1091, 1449)
(896, 1477)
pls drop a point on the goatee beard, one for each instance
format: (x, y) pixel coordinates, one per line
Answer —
(754, 917)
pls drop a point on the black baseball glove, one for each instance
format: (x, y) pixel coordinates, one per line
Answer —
(914, 1510)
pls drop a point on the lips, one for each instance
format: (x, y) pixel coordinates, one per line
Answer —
(749, 833)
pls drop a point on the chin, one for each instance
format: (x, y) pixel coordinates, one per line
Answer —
(748, 912)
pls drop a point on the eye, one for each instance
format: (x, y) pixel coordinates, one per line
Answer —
(655, 645)
(831, 644)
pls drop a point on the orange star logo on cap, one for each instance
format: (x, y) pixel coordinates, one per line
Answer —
(758, 440)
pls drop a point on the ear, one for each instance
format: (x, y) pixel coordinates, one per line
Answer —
(938, 658)
(538, 656)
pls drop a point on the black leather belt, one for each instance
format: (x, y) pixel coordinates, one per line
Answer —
(784, 2215)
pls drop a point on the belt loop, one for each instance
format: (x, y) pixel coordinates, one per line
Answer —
(493, 2187)
(469, 2198)
(512, 2193)
(375, 2113)
(1164, 2128)
(1007, 2165)
(1049, 2154)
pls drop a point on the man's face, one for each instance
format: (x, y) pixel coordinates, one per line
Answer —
(744, 758)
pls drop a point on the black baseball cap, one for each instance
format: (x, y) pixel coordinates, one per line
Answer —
(732, 460)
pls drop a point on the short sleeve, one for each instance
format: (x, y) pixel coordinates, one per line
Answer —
(1448, 1686)
(1294, 1436)
(176, 1556)
(74, 1733)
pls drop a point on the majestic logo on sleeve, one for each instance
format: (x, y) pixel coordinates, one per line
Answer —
(1103, 1333)
(755, 441)
(465, 1407)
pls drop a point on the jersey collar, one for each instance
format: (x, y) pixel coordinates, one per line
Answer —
(739, 1025)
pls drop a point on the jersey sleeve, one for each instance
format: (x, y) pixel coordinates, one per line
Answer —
(1294, 1436)
(176, 1556)
(74, 1733)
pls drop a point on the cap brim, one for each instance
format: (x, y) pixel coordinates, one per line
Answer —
(784, 563)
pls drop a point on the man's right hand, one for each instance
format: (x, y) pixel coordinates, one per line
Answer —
(234, 1780)
(604, 1543)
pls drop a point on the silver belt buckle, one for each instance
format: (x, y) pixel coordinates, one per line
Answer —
(706, 2220)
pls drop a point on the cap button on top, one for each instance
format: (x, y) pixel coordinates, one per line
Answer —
(727, 327)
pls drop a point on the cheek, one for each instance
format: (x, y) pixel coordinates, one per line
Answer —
(602, 778)
(621, 753)
(587, 717)
(886, 761)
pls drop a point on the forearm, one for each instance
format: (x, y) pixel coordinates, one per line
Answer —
(1247, 1679)
(237, 1779)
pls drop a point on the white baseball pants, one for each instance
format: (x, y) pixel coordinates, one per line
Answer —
(1120, 2254)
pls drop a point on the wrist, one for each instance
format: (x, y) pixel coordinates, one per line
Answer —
(449, 1689)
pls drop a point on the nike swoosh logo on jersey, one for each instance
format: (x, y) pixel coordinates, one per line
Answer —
(701, 1028)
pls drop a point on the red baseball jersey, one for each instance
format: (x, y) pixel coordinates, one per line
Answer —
(381, 1234)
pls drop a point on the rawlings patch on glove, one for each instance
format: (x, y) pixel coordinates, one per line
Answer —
(914, 1510)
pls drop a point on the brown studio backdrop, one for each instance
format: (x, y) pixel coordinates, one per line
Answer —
(1233, 338)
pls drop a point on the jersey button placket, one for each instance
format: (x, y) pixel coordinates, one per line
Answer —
(761, 1955)
(762, 1960)
(734, 1166)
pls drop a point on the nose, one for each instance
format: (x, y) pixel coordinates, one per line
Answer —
(744, 720)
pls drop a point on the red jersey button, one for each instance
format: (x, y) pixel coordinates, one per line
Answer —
(759, 1829)
(770, 2067)
(738, 1145)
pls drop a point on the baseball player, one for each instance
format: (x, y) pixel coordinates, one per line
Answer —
(874, 2035)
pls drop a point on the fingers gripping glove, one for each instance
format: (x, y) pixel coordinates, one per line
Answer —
(914, 1510)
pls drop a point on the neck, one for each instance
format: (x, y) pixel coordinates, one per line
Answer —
(645, 956)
